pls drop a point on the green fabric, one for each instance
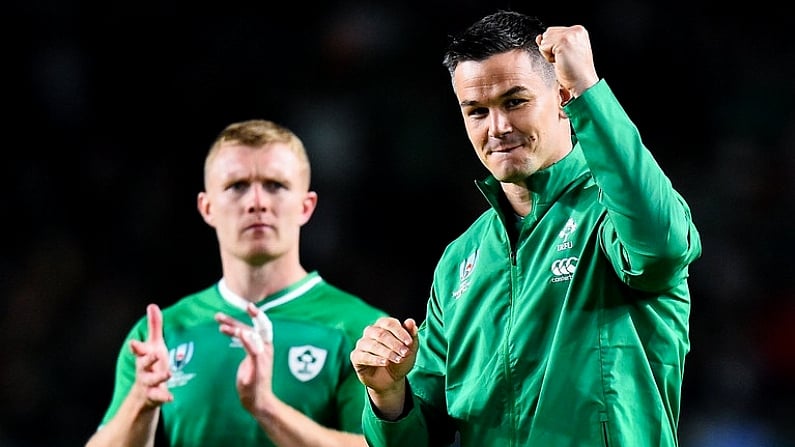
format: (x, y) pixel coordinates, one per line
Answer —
(314, 324)
(576, 333)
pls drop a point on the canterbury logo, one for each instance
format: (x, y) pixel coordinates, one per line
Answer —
(563, 269)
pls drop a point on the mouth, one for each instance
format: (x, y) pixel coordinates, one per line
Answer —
(504, 149)
(258, 226)
(504, 145)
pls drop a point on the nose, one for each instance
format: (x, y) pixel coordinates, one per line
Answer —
(258, 198)
(499, 124)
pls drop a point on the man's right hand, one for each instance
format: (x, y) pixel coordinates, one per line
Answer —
(152, 369)
(382, 358)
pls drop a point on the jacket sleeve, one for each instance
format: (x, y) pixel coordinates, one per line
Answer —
(410, 430)
(648, 234)
(425, 422)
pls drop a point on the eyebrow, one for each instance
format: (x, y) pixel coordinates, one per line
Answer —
(508, 93)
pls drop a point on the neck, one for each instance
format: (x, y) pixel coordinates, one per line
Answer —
(256, 282)
(519, 198)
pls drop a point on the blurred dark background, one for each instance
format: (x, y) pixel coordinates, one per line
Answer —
(110, 109)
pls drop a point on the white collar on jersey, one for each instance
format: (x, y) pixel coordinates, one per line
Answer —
(239, 302)
(231, 297)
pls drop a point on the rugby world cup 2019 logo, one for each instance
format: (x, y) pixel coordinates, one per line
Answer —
(178, 358)
(465, 269)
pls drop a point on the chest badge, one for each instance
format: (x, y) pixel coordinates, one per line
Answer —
(178, 358)
(564, 234)
(306, 361)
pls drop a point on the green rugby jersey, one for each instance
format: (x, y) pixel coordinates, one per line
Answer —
(573, 332)
(315, 327)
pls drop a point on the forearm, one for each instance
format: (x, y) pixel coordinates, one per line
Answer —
(288, 427)
(389, 405)
(133, 426)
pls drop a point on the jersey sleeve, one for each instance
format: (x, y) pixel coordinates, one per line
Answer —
(350, 403)
(125, 370)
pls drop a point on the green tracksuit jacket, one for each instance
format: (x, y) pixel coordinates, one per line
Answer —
(574, 332)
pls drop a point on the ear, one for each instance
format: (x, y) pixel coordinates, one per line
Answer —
(565, 96)
(309, 204)
(203, 205)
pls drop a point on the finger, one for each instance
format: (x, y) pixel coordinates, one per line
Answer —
(545, 47)
(414, 330)
(251, 340)
(228, 325)
(411, 326)
(155, 378)
(262, 324)
(229, 330)
(233, 330)
(392, 326)
(138, 348)
(361, 358)
(160, 395)
(148, 361)
(154, 320)
(383, 344)
(223, 318)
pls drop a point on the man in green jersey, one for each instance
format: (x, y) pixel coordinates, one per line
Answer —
(560, 316)
(288, 385)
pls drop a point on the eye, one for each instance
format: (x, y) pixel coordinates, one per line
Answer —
(273, 186)
(514, 102)
(238, 186)
(477, 112)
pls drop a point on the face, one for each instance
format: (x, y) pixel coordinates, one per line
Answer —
(513, 117)
(257, 199)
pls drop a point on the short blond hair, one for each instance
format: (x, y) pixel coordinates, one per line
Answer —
(258, 133)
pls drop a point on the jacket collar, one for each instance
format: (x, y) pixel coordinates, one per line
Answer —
(546, 184)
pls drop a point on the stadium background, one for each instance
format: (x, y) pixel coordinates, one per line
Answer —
(110, 109)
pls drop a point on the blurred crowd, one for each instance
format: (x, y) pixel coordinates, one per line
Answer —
(110, 114)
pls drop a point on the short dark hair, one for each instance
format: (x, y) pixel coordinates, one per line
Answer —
(496, 33)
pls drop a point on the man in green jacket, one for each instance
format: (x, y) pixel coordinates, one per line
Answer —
(560, 316)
